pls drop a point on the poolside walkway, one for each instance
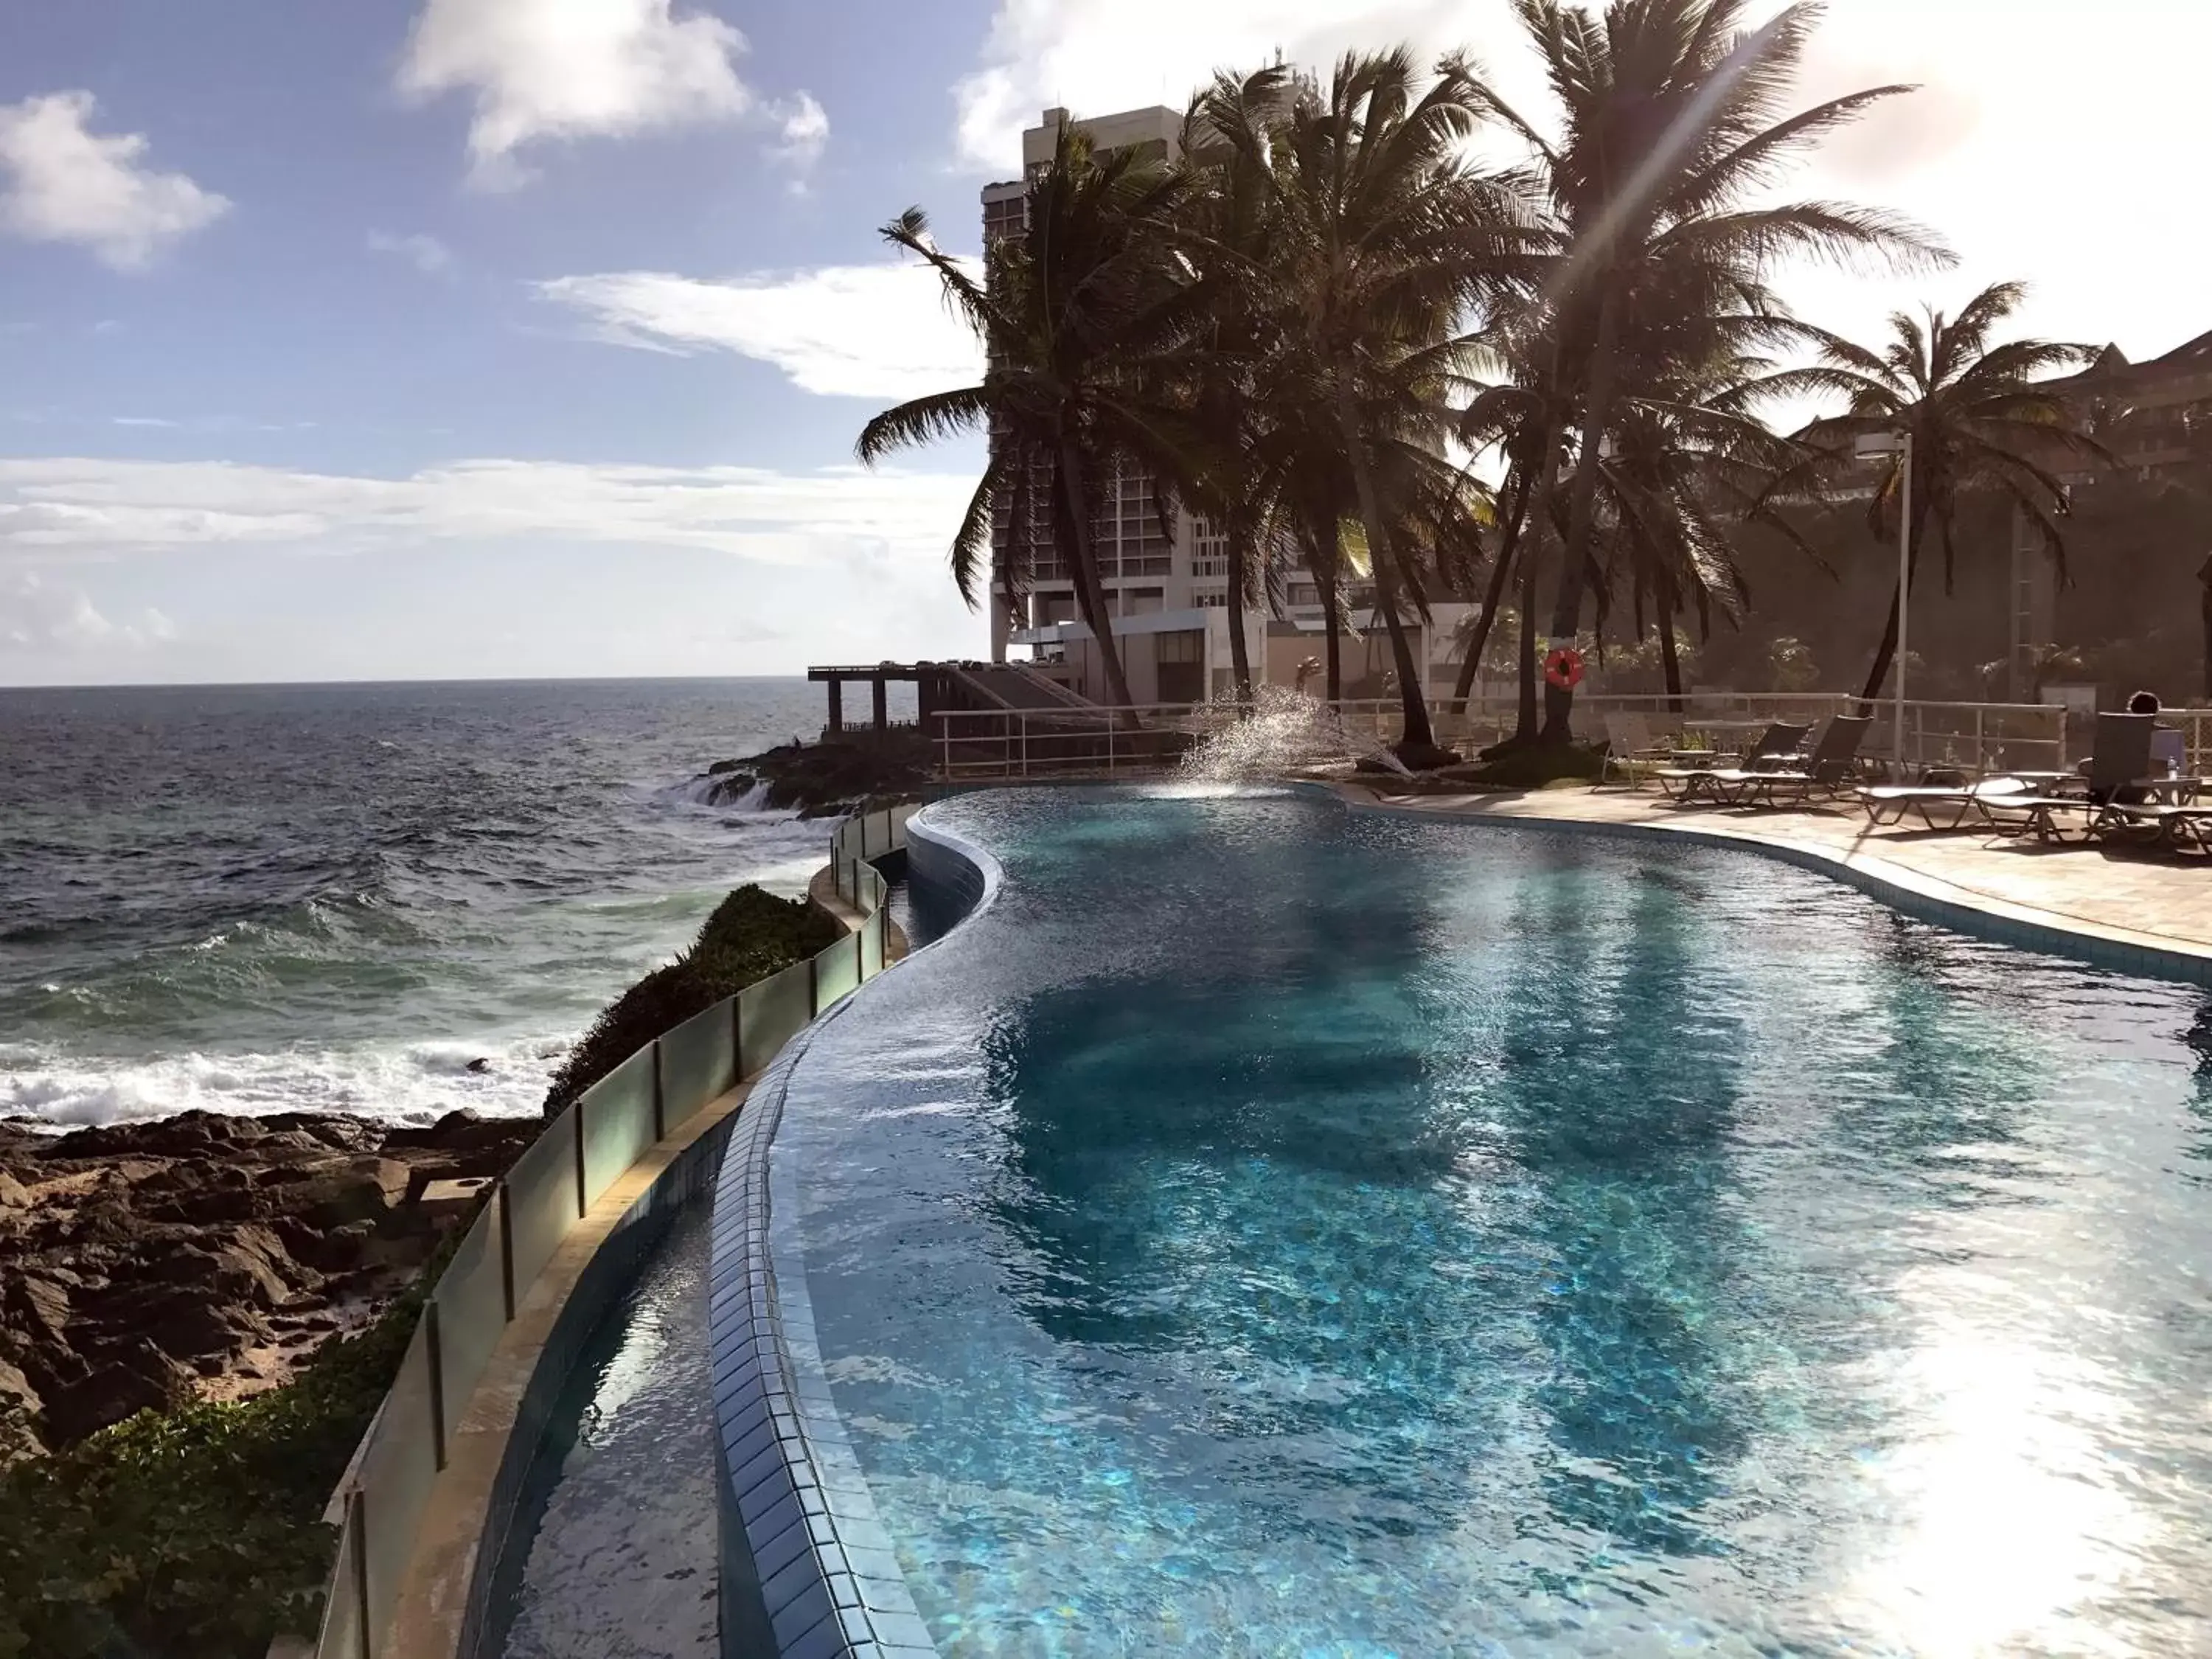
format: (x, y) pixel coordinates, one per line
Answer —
(2133, 899)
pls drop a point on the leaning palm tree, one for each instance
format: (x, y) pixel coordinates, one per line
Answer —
(1977, 416)
(1669, 129)
(1385, 236)
(1083, 318)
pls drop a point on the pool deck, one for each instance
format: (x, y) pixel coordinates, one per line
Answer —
(2111, 896)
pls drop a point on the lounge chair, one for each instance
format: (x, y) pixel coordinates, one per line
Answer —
(1888, 803)
(1630, 747)
(1831, 765)
(2119, 762)
(1686, 783)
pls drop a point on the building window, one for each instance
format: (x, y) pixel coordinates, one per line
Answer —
(1142, 601)
(1184, 645)
(1211, 598)
(1304, 593)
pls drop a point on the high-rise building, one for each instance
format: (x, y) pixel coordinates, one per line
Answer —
(1152, 563)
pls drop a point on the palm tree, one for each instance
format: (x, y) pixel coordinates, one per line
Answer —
(1084, 319)
(1684, 460)
(1227, 228)
(1670, 127)
(1976, 417)
(1385, 236)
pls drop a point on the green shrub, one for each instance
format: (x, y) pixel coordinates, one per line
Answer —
(195, 1533)
(752, 935)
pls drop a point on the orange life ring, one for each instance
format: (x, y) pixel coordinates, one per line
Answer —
(1564, 668)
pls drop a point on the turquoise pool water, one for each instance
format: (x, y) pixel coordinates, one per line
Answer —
(1275, 1229)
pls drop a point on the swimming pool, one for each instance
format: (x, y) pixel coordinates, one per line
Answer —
(1273, 1229)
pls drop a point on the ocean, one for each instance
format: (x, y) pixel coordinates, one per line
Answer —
(337, 897)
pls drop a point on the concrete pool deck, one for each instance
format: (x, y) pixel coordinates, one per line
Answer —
(2122, 903)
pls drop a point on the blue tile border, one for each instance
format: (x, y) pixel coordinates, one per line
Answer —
(806, 1569)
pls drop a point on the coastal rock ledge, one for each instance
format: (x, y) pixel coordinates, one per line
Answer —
(143, 1264)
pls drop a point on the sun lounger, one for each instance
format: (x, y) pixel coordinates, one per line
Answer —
(2171, 827)
(1888, 803)
(1631, 749)
(1832, 763)
(2119, 763)
(1686, 783)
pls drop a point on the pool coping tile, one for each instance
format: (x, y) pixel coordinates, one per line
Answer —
(793, 1497)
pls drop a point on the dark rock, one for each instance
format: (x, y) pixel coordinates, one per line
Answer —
(479, 1065)
(138, 1260)
(144, 1378)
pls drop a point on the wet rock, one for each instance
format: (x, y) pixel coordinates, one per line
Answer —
(142, 1262)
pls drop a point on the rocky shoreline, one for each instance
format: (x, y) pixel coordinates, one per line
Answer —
(822, 780)
(203, 1256)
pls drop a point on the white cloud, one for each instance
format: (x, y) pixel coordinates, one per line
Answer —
(879, 331)
(803, 129)
(35, 615)
(60, 182)
(572, 68)
(426, 253)
(2018, 186)
(97, 508)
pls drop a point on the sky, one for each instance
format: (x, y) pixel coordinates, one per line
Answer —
(465, 338)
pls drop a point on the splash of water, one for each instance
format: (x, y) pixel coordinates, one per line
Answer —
(1286, 732)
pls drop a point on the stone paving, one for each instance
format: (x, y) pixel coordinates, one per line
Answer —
(2130, 895)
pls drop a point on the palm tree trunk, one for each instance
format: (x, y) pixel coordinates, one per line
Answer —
(1413, 683)
(1331, 651)
(1500, 573)
(1582, 511)
(1524, 729)
(1240, 648)
(1886, 654)
(1671, 662)
(1090, 593)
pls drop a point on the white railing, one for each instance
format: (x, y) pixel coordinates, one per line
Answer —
(971, 746)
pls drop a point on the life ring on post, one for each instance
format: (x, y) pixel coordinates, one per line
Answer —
(1564, 668)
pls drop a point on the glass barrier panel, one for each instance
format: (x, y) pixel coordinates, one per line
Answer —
(836, 972)
(617, 1121)
(340, 1637)
(698, 1062)
(471, 1303)
(397, 1468)
(771, 1013)
(872, 946)
(900, 816)
(541, 1199)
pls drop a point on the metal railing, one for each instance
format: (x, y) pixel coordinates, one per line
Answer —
(547, 1192)
(974, 745)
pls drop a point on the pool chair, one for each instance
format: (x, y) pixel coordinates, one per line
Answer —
(1826, 772)
(1686, 783)
(1888, 803)
(1630, 749)
(2119, 765)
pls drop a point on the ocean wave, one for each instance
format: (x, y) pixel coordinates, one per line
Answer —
(711, 791)
(414, 1083)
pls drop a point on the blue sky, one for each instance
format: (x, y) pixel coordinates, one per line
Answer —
(431, 337)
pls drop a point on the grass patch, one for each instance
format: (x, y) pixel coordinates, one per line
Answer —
(752, 935)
